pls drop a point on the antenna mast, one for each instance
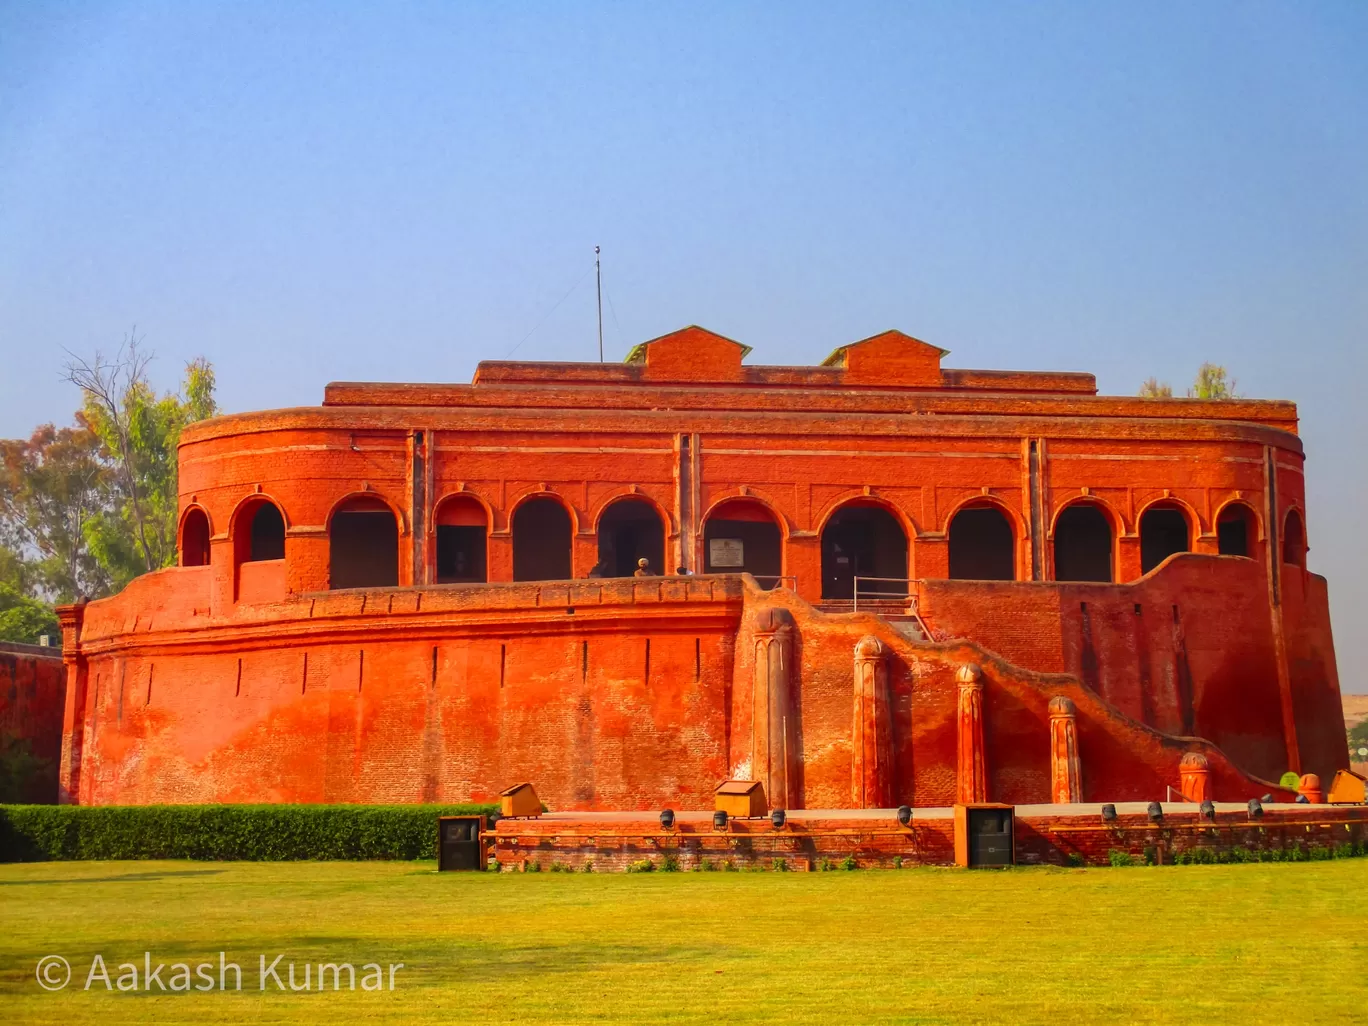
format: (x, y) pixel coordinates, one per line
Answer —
(598, 276)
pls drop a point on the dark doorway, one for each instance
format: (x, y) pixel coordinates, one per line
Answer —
(863, 541)
(982, 546)
(459, 845)
(1235, 531)
(1294, 540)
(1163, 532)
(990, 837)
(363, 543)
(541, 541)
(195, 538)
(462, 529)
(266, 534)
(630, 530)
(1083, 545)
(742, 537)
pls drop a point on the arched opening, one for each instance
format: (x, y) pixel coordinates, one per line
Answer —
(630, 530)
(1083, 544)
(1235, 531)
(1294, 539)
(741, 536)
(863, 540)
(982, 545)
(541, 541)
(259, 534)
(363, 545)
(195, 538)
(462, 528)
(1163, 532)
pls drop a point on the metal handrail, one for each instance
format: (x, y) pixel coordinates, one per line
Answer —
(776, 578)
(911, 596)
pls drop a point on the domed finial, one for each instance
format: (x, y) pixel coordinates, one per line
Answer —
(968, 673)
(1062, 705)
(868, 647)
(1193, 760)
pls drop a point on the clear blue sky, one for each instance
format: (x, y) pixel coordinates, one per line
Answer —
(306, 192)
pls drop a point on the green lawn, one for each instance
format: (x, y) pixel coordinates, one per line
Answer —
(1279, 943)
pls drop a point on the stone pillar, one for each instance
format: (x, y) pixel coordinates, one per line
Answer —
(1310, 788)
(772, 703)
(1194, 777)
(972, 776)
(1066, 769)
(73, 716)
(871, 742)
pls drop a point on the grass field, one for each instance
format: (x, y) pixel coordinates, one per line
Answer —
(1279, 943)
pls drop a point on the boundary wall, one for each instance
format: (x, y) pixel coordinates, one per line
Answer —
(32, 696)
(1044, 835)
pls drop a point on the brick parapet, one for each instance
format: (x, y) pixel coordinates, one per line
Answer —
(1044, 835)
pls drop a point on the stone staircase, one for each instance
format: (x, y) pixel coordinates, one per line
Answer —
(900, 612)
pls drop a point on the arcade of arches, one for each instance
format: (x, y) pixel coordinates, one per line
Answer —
(629, 531)
(363, 545)
(1083, 544)
(195, 538)
(1163, 533)
(462, 530)
(861, 539)
(742, 536)
(982, 545)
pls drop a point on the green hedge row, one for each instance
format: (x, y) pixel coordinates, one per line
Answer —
(266, 833)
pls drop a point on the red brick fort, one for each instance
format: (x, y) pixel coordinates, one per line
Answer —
(873, 582)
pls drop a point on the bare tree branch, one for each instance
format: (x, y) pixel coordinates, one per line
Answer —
(107, 384)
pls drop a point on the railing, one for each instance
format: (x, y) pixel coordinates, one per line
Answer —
(907, 593)
(762, 581)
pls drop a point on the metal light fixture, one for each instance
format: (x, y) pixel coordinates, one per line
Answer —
(1156, 812)
(1108, 813)
(720, 820)
(667, 818)
(1208, 809)
(1255, 808)
(777, 818)
(904, 814)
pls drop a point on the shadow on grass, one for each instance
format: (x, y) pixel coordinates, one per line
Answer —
(139, 877)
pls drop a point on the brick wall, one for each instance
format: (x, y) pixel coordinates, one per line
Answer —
(1043, 835)
(32, 693)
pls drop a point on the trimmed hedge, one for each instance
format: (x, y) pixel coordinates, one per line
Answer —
(266, 833)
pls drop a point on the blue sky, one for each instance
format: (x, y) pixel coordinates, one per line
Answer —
(305, 193)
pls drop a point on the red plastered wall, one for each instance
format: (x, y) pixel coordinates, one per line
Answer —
(32, 694)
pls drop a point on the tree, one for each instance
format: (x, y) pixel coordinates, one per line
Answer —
(51, 488)
(23, 619)
(1153, 388)
(139, 431)
(1212, 383)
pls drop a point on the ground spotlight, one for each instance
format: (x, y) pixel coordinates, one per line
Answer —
(1301, 799)
(904, 814)
(667, 818)
(1156, 812)
(720, 820)
(1108, 812)
(1208, 809)
(1255, 808)
(777, 818)
(1266, 799)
